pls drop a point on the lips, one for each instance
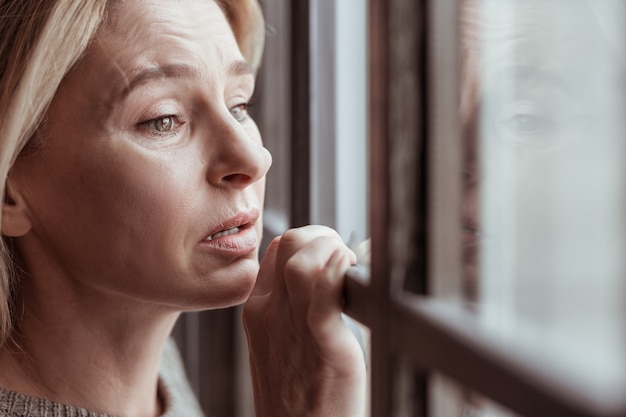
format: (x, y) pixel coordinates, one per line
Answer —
(234, 225)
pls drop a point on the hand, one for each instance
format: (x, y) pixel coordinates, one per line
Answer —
(304, 360)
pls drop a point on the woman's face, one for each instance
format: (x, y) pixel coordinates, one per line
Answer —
(150, 180)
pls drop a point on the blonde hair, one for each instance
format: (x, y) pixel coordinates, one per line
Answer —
(246, 20)
(40, 42)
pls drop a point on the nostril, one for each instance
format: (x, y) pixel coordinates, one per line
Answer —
(237, 179)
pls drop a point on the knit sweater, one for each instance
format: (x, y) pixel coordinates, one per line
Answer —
(178, 398)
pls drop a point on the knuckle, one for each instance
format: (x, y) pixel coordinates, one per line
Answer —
(301, 266)
(296, 271)
(300, 235)
(291, 237)
(301, 274)
(293, 268)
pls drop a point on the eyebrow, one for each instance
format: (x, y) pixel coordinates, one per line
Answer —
(241, 68)
(143, 76)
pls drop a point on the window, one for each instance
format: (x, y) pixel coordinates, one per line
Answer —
(498, 208)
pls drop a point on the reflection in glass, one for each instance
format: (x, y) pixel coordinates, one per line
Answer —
(543, 107)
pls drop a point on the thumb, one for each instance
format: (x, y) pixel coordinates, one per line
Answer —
(265, 278)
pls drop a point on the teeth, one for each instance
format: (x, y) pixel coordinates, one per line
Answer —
(228, 232)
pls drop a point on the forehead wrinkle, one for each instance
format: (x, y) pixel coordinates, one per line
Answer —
(135, 68)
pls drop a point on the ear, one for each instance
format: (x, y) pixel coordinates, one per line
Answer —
(15, 216)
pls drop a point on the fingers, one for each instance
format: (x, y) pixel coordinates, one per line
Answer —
(255, 309)
(296, 240)
(302, 273)
(334, 341)
(325, 312)
(303, 255)
(289, 270)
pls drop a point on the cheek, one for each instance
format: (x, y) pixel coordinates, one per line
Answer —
(140, 195)
(111, 202)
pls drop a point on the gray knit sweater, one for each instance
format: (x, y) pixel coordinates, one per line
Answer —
(173, 386)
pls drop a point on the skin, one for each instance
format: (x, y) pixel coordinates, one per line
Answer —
(110, 215)
(296, 304)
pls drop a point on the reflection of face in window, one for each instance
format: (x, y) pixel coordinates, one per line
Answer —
(543, 111)
(542, 127)
(469, 118)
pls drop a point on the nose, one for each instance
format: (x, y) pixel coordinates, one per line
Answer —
(238, 157)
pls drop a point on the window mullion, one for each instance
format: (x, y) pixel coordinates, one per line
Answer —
(381, 372)
(301, 113)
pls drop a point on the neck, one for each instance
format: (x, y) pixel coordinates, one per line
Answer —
(61, 350)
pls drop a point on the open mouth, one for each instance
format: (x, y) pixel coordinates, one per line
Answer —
(232, 229)
(227, 232)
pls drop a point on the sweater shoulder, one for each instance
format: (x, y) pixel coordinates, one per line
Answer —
(174, 390)
(15, 404)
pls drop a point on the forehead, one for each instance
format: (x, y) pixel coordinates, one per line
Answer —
(557, 40)
(142, 34)
(127, 19)
(536, 26)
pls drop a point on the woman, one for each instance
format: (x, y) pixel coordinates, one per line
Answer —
(133, 186)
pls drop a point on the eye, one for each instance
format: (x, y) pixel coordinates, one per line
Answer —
(529, 125)
(162, 125)
(240, 112)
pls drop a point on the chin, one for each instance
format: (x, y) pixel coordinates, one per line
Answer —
(232, 288)
(243, 291)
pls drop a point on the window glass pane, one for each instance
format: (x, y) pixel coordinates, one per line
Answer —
(273, 115)
(544, 209)
(350, 118)
(338, 93)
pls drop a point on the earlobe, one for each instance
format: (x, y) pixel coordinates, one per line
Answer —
(15, 218)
